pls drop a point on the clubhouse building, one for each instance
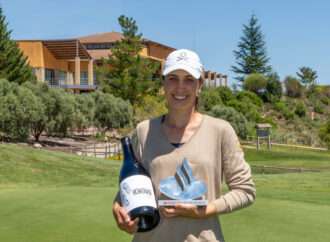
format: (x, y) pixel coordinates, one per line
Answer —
(70, 63)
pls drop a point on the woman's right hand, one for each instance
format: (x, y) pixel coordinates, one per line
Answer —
(123, 220)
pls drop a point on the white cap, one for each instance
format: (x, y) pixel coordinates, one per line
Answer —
(183, 59)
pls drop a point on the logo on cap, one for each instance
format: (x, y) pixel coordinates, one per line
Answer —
(182, 57)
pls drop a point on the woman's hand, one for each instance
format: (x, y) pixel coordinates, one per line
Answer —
(188, 210)
(123, 220)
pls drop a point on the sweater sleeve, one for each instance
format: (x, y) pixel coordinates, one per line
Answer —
(237, 174)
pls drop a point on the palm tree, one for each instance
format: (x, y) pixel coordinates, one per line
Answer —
(307, 76)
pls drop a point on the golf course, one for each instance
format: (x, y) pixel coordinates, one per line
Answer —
(57, 197)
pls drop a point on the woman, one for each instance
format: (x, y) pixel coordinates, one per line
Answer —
(209, 144)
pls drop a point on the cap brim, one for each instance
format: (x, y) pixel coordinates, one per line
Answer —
(195, 73)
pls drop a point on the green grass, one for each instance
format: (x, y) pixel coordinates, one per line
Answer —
(289, 157)
(56, 197)
(31, 167)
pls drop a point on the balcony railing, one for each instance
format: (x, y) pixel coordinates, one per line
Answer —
(64, 84)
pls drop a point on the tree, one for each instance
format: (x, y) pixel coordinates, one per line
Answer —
(20, 110)
(13, 64)
(111, 112)
(251, 56)
(307, 76)
(293, 87)
(130, 76)
(41, 119)
(256, 83)
(84, 111)
(31, 119)
(274, 88)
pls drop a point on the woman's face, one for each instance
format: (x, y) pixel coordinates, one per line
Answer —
(181, 90)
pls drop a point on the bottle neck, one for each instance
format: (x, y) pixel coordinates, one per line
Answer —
(127, 149)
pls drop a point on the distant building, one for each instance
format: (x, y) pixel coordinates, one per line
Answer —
(70, 63)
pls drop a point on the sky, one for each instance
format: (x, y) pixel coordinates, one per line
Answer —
(297, 32)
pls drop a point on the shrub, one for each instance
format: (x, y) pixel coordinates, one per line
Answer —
(300, 109)
(288, 115)
(208, 98)
(151, 107)
(280, 106)
(273, 88)
(325, 100)
(256, 83)
(318, 108)
(250, 97)
(324, 134)
(225, 94)
(293, 87)
(236, 119)
(247, 109)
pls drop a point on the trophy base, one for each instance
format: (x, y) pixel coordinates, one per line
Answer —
(165, 203)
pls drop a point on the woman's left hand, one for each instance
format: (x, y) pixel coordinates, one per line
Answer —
(188, 210)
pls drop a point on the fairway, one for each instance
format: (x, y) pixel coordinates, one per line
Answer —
(69, 200)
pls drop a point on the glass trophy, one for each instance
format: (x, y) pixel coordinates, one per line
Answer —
(182, 188)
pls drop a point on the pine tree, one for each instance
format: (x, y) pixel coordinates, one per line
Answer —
(251, 56)
(13, 64)
(130, 76)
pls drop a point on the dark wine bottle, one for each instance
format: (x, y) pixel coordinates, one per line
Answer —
(136, 190)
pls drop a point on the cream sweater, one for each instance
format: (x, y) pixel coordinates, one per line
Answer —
(215, 155)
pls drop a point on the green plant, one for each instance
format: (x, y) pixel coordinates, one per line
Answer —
(251, 56)
(325, 100)
(225, 94)
(13, 64)
(131, 76)
(280, 106)
(150, 107)
(208, 98)
(293, 87)
(112, 112)
(250, 97)
(318, 108)
(236, 119)
(307, 76)
(324, 133)
(273, 88)
(300, 109)
(256, 83)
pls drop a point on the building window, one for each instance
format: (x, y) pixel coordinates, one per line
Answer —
(50, 76)
(99, 46)
(61, 76)
(84, 78)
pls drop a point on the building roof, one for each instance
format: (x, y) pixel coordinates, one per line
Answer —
(107, 37)
(110, 37)
(64, 48)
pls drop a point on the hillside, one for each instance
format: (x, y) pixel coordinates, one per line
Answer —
(294, 120)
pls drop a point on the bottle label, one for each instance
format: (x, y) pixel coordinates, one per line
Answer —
(137, 191)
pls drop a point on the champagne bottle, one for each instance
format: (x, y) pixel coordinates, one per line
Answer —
(136, 190)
